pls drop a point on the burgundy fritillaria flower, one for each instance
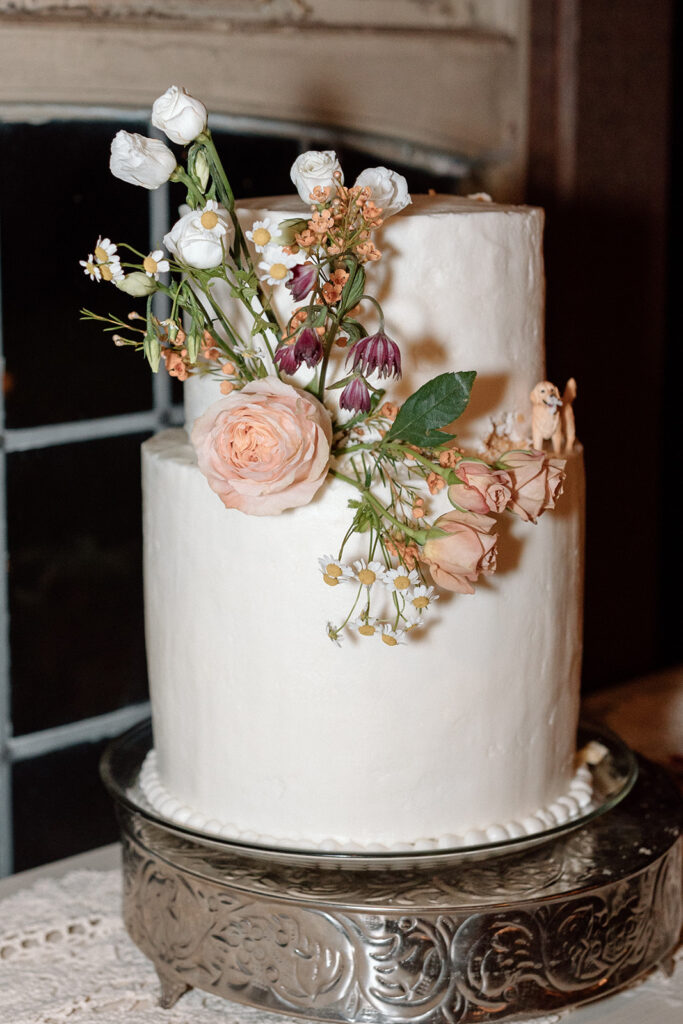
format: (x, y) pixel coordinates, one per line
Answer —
(356, 396)
(308, 347)
(376, 354)
(304, 276)
(287, 359)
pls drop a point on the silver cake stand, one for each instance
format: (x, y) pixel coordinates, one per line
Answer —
(486, 934)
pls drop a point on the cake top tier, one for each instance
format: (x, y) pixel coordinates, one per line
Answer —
(461, 284)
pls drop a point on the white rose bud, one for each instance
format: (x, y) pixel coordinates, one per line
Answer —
(389, 189)
(141, 161)
(179, 115)
(315, 168)
(202, 169)
(201, 238)
(137, 284)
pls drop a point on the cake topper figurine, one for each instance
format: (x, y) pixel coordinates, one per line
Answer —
(303, 394)
(552, 417)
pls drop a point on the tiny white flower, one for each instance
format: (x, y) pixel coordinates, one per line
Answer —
(334, 634)
(212, 217)
(112, 271)
(401, 579)
(261, 234)
(105, 250)
(419, 600)
(116, 272)
(368, 573)
(391, 637)
(367, 626)
(155, 263)
(333, 570)
(91, 270)
(276, 265)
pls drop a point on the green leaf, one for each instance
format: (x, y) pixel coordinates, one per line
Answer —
(151, 345)
(193, 344)
(436, 404)
(353, 329)
(353, 290)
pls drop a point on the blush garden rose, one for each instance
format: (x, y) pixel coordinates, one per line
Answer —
(467, 549)
(537, 482)
(481, 489)
(265, 448)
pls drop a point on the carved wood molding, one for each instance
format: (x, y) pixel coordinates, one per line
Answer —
(457, 84)
(487, 16)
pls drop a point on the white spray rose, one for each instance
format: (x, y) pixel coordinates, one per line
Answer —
(201, 238)
(389, 189)
(179, 115)
(141, 161)
(315, 168)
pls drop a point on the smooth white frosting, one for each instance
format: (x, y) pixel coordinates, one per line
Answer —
(259, 720)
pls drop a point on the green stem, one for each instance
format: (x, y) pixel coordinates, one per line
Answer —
(181, 175)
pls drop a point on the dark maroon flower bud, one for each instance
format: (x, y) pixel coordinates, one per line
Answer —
(376, 354)
(309, 347)
(287, 359)
(356, 396)
(304, 276)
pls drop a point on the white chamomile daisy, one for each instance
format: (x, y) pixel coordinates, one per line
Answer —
(421, 598)
(333, 570)
(155, 264)
(367, 626)
(261, 234)
(112, 271)
(105, 251)
(212, 218)
(368, 573)
(392, 637)
(92, 269)
(276, 265)
(401, 579)
(334, 634)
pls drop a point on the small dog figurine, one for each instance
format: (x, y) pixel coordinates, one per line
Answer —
(552, 417)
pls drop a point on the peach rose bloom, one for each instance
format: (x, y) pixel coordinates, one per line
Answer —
(482, 489)
(537, 482)
(265, 448)
(468, 549)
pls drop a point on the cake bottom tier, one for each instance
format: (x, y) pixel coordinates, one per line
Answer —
(263, 725)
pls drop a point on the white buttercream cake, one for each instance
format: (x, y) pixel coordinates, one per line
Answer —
(266, 731)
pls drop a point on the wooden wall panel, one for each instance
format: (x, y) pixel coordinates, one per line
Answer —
(449, 76)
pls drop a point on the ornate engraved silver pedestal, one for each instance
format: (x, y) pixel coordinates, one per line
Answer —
(487, 939)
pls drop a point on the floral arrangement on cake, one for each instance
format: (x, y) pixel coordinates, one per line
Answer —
(305, 400)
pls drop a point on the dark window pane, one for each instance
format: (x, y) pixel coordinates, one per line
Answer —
(76, 621)
(58, 367)
(257, 166)
(60, 806)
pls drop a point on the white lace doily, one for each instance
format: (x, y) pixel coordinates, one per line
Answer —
(65, 958)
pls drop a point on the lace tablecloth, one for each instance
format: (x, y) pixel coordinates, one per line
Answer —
(65, 958)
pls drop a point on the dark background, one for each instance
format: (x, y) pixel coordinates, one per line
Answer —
(608, 186)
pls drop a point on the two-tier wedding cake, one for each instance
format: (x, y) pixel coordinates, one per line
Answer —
(333, 661)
